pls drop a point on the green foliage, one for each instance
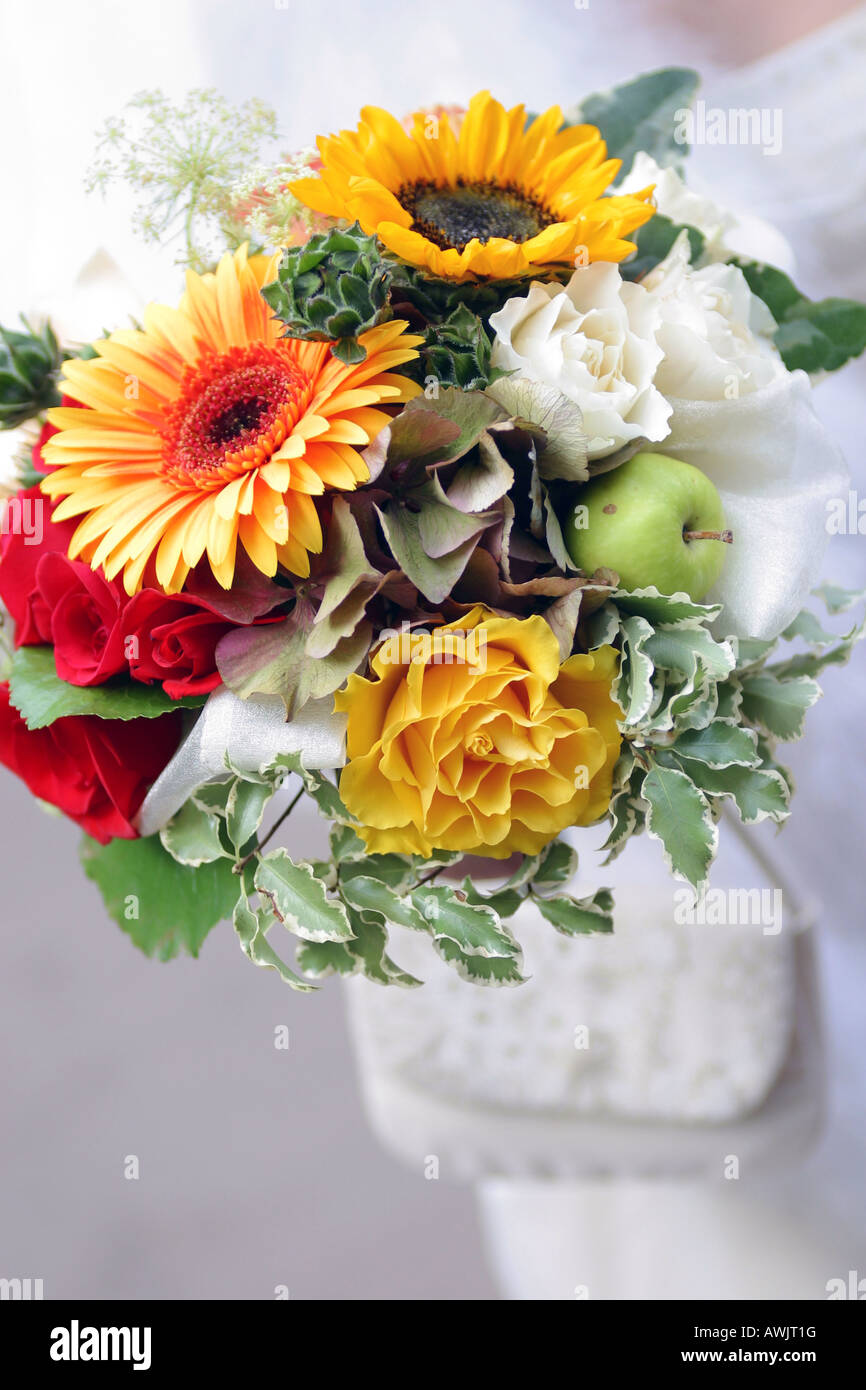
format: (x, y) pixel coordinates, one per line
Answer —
(40, 696)
(654, 240)
(182, 160)
(815, 335)
(29, 364)
(701, 717)
(642, 115)
(165, 907)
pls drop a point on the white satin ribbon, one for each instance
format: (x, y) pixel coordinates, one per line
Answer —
(250, 733)
(776, 468)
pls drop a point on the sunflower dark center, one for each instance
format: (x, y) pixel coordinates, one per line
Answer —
(451, 217)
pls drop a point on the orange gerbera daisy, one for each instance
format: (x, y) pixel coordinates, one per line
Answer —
(208, 429)
(494, 198)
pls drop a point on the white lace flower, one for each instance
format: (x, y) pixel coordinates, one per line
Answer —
(595, 340)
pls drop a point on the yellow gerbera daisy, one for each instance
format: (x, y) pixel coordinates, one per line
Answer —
(495, 199)
(208, 429)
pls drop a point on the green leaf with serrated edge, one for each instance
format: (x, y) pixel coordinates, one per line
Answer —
(320, 958)
(665, 610)
(192, 836)
(729, 697)
(475, 930)
(40, 696)
(633, 688)
(251, 928)
(299, 900)
(813, 663)
(346, 844)
(503, 901)
(395, 870)
(839, 600)
(578, 916)
(325, 870)
(678, 815)
(807, 627)
(480, 970)
(213, 796)
(244, 810)
(718, 745)
(750, 651)
(602, 627)
(558, 864)
(624, 816)
(778, 706)
(366, 894)
(678, 649)
(757, 792)
(643, 114)
(523, 873)
(164, 907)
(769, 762)
(368, 946)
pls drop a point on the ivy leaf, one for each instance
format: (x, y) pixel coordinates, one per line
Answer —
(679, 649)
(192, 836)
(320, 958)
(367, 894)
(244, 810)
(778, 706)
(665, 610)
(299, 899)
(839, 600)
(757, 792)
(578, 916)
(368, 946)
(633, 688)
(164, 907)
(40, 696)
(504, 901)
(718, 745)
(642, 115)
(680, 817)
(558, 864)
(480, 970)
(252, 928)
(474, 930)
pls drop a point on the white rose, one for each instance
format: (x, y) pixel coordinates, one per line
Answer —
(725, 232)
(594, 339)
(715, 335)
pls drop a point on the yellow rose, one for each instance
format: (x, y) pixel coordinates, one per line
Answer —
(474, 737)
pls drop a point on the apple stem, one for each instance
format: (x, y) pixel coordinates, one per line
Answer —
(726, 536)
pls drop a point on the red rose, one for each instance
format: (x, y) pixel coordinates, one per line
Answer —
(84, 622)
(28, 534)
(97, 771)
(172, 639)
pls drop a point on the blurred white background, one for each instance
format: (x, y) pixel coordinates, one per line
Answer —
(257, 1168)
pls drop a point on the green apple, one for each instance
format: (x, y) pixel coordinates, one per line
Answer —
(655, 520)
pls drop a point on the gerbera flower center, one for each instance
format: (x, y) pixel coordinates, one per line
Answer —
(452, 216)
(233, 411)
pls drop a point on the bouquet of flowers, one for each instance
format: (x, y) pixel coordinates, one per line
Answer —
(473, 489)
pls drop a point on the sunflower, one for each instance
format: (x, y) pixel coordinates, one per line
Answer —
(207, 429)
(498, 198)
